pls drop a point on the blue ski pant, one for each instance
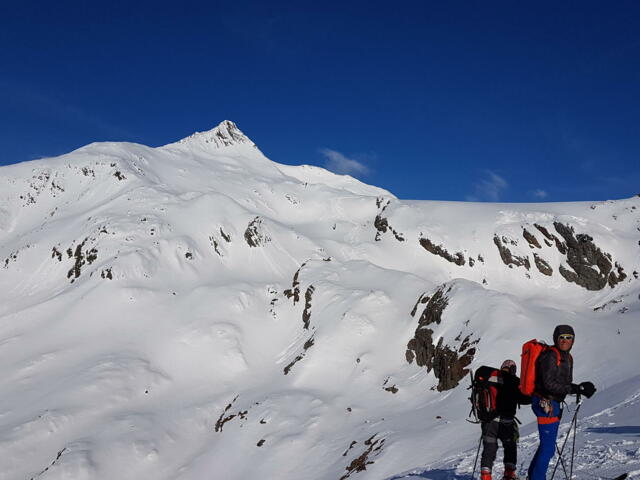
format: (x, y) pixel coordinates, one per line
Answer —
(548, 413)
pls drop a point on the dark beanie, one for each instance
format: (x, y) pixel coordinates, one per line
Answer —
(562, 330)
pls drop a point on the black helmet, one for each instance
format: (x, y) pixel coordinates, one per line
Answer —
(562, 330)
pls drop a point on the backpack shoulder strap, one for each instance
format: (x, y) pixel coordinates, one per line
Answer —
(558, 355)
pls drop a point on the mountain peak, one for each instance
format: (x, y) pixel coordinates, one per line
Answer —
(226, 134)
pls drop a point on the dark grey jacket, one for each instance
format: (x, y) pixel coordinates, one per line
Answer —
(552, 380)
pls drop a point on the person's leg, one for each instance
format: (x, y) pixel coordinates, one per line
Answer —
(548, 435)
(489, 448)
(548, 422)
(509, 436)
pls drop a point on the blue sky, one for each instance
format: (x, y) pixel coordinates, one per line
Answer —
(487, 101)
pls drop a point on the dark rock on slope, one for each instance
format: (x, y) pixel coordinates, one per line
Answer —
(429, 246)
(591, 267)
(507, 257)
(448, 363)
(543, 266)
(255, 235)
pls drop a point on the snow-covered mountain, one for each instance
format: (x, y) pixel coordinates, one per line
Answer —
(198, 311)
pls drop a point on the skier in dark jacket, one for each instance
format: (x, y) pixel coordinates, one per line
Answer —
(554, 377)
(504, 426)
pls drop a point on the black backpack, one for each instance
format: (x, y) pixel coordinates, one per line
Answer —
(485, 384)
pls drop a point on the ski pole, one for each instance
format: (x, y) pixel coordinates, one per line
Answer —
(575, 434)
(571, 425)
(565, 442)
(564, 467)
(476, 460)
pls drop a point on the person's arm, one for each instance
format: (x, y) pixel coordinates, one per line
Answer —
(523, 399)
(549, 374)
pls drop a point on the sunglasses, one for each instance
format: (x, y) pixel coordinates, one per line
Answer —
(565, 337)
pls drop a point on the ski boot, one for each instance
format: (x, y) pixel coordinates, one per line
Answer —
(485, 473)
(510, 473)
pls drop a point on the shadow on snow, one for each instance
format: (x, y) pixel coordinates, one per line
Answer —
(437, 474)
(629, 429)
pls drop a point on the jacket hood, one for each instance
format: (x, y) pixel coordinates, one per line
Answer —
(562, 330)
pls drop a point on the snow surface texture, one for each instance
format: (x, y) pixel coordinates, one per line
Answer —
(198, 311)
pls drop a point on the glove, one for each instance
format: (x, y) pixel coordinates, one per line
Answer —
(587, 389)
(575, 389)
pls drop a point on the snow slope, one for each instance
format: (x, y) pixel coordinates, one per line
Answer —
(199, 311)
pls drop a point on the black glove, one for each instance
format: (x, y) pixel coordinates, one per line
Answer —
(575, 389)
(587, 389)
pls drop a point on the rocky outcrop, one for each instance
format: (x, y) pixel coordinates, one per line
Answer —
(542, 265)
(617, 275)
(607, 305)
(226, 134)
(550, 238)
(255, 235)
(586, 264)
(423, 299)
(435, 306)
(106, 273)
(392, 388)
(55, 253)
(306, 313)
(55, 461)
(43, 181)
(429, 246)
(294, 291)
(81, 258)
(307, 345)
(531, 239)
(382, 224)
(359, 464)
(448, 363)
(591, 268)
(227, 238)
(13, 256)
(507, 257)
(224, 418)
(214, 244)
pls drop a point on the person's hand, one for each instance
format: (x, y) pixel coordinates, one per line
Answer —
(587, 389)
(575, 389)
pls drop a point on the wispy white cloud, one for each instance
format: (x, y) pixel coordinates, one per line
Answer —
(340, 163)
(489, 188)
(539, 193)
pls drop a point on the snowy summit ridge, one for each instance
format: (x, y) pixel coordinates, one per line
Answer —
(197, 309)
(226, 134)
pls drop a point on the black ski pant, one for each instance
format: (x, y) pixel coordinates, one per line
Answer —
(505, 430)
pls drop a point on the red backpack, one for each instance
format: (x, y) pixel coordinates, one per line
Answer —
(531, 350)
(484, 393)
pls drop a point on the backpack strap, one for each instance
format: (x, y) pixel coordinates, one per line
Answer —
(558, 355)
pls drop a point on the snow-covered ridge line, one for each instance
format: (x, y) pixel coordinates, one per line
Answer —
(226, 134)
